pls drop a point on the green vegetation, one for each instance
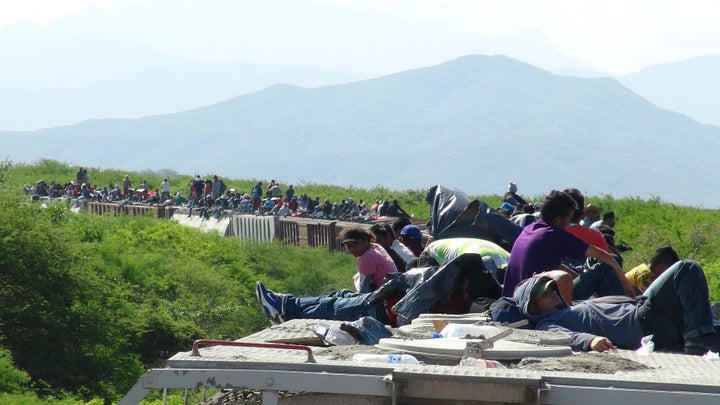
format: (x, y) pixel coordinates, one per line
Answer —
(87, 303)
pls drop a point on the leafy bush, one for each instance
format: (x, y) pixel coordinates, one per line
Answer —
(12, 380)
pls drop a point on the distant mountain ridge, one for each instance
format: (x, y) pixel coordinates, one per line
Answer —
(690, 86)
(62, 82)
(474, 123)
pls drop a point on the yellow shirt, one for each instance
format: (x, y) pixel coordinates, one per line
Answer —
(640, 276)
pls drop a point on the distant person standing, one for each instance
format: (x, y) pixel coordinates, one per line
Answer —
(269, 187)
(217, 187)
(82, 176)
(127, 185)
(256, 194)
(165, 190)
(275, 191)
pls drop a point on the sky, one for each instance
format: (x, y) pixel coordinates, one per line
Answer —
(612, 36)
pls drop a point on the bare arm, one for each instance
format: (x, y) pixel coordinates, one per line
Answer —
(605, 257)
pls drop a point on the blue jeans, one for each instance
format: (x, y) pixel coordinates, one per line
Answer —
(344, 305)
(677, 305)
(599, 279)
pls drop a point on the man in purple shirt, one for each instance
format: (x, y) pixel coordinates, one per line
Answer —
(543, 244)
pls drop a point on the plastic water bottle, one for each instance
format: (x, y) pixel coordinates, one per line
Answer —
(480, 363)
(459, 330)
(385, 358)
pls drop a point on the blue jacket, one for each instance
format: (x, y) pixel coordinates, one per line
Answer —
(586, 320)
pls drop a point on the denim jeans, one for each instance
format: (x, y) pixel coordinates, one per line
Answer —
(677, 305)
(344, 305)
(599, 279)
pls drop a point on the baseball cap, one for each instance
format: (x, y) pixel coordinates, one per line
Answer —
(411, 231)
(541, 287)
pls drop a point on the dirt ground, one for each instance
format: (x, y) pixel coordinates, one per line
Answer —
(591, 362)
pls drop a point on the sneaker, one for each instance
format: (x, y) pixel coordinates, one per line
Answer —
(271, 303)
(700, 345)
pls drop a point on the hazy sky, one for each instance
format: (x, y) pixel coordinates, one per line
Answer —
(615, 36)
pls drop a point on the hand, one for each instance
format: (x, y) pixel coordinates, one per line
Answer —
(601, 343)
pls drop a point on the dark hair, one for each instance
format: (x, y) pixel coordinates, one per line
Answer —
(577, 195)
(608, 215)
(357, 233)
(381, 229)
(665, 255)
(389, 230)
(557, 204)
(399, 224)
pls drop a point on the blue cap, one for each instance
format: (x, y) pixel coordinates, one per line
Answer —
(411, 231)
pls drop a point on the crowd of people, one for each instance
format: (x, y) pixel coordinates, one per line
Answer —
(562, 274)
(211, 196)
(81, 190)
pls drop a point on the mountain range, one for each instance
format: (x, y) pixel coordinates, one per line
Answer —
(141, 60)
(158, 56)
(474, 123)
(52, 82)
(690, 86)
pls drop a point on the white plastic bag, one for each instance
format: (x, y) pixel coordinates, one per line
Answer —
(647, 346)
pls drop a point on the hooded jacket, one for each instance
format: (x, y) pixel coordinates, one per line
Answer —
(586, 320)
(421, 288)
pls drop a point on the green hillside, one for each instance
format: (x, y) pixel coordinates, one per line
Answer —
(87, 303)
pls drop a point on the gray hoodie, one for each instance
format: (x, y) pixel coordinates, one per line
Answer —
(586, 320)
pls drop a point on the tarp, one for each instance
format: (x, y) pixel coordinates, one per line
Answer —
(453, 215)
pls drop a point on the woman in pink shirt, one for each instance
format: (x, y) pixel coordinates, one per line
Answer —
(373, 261)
